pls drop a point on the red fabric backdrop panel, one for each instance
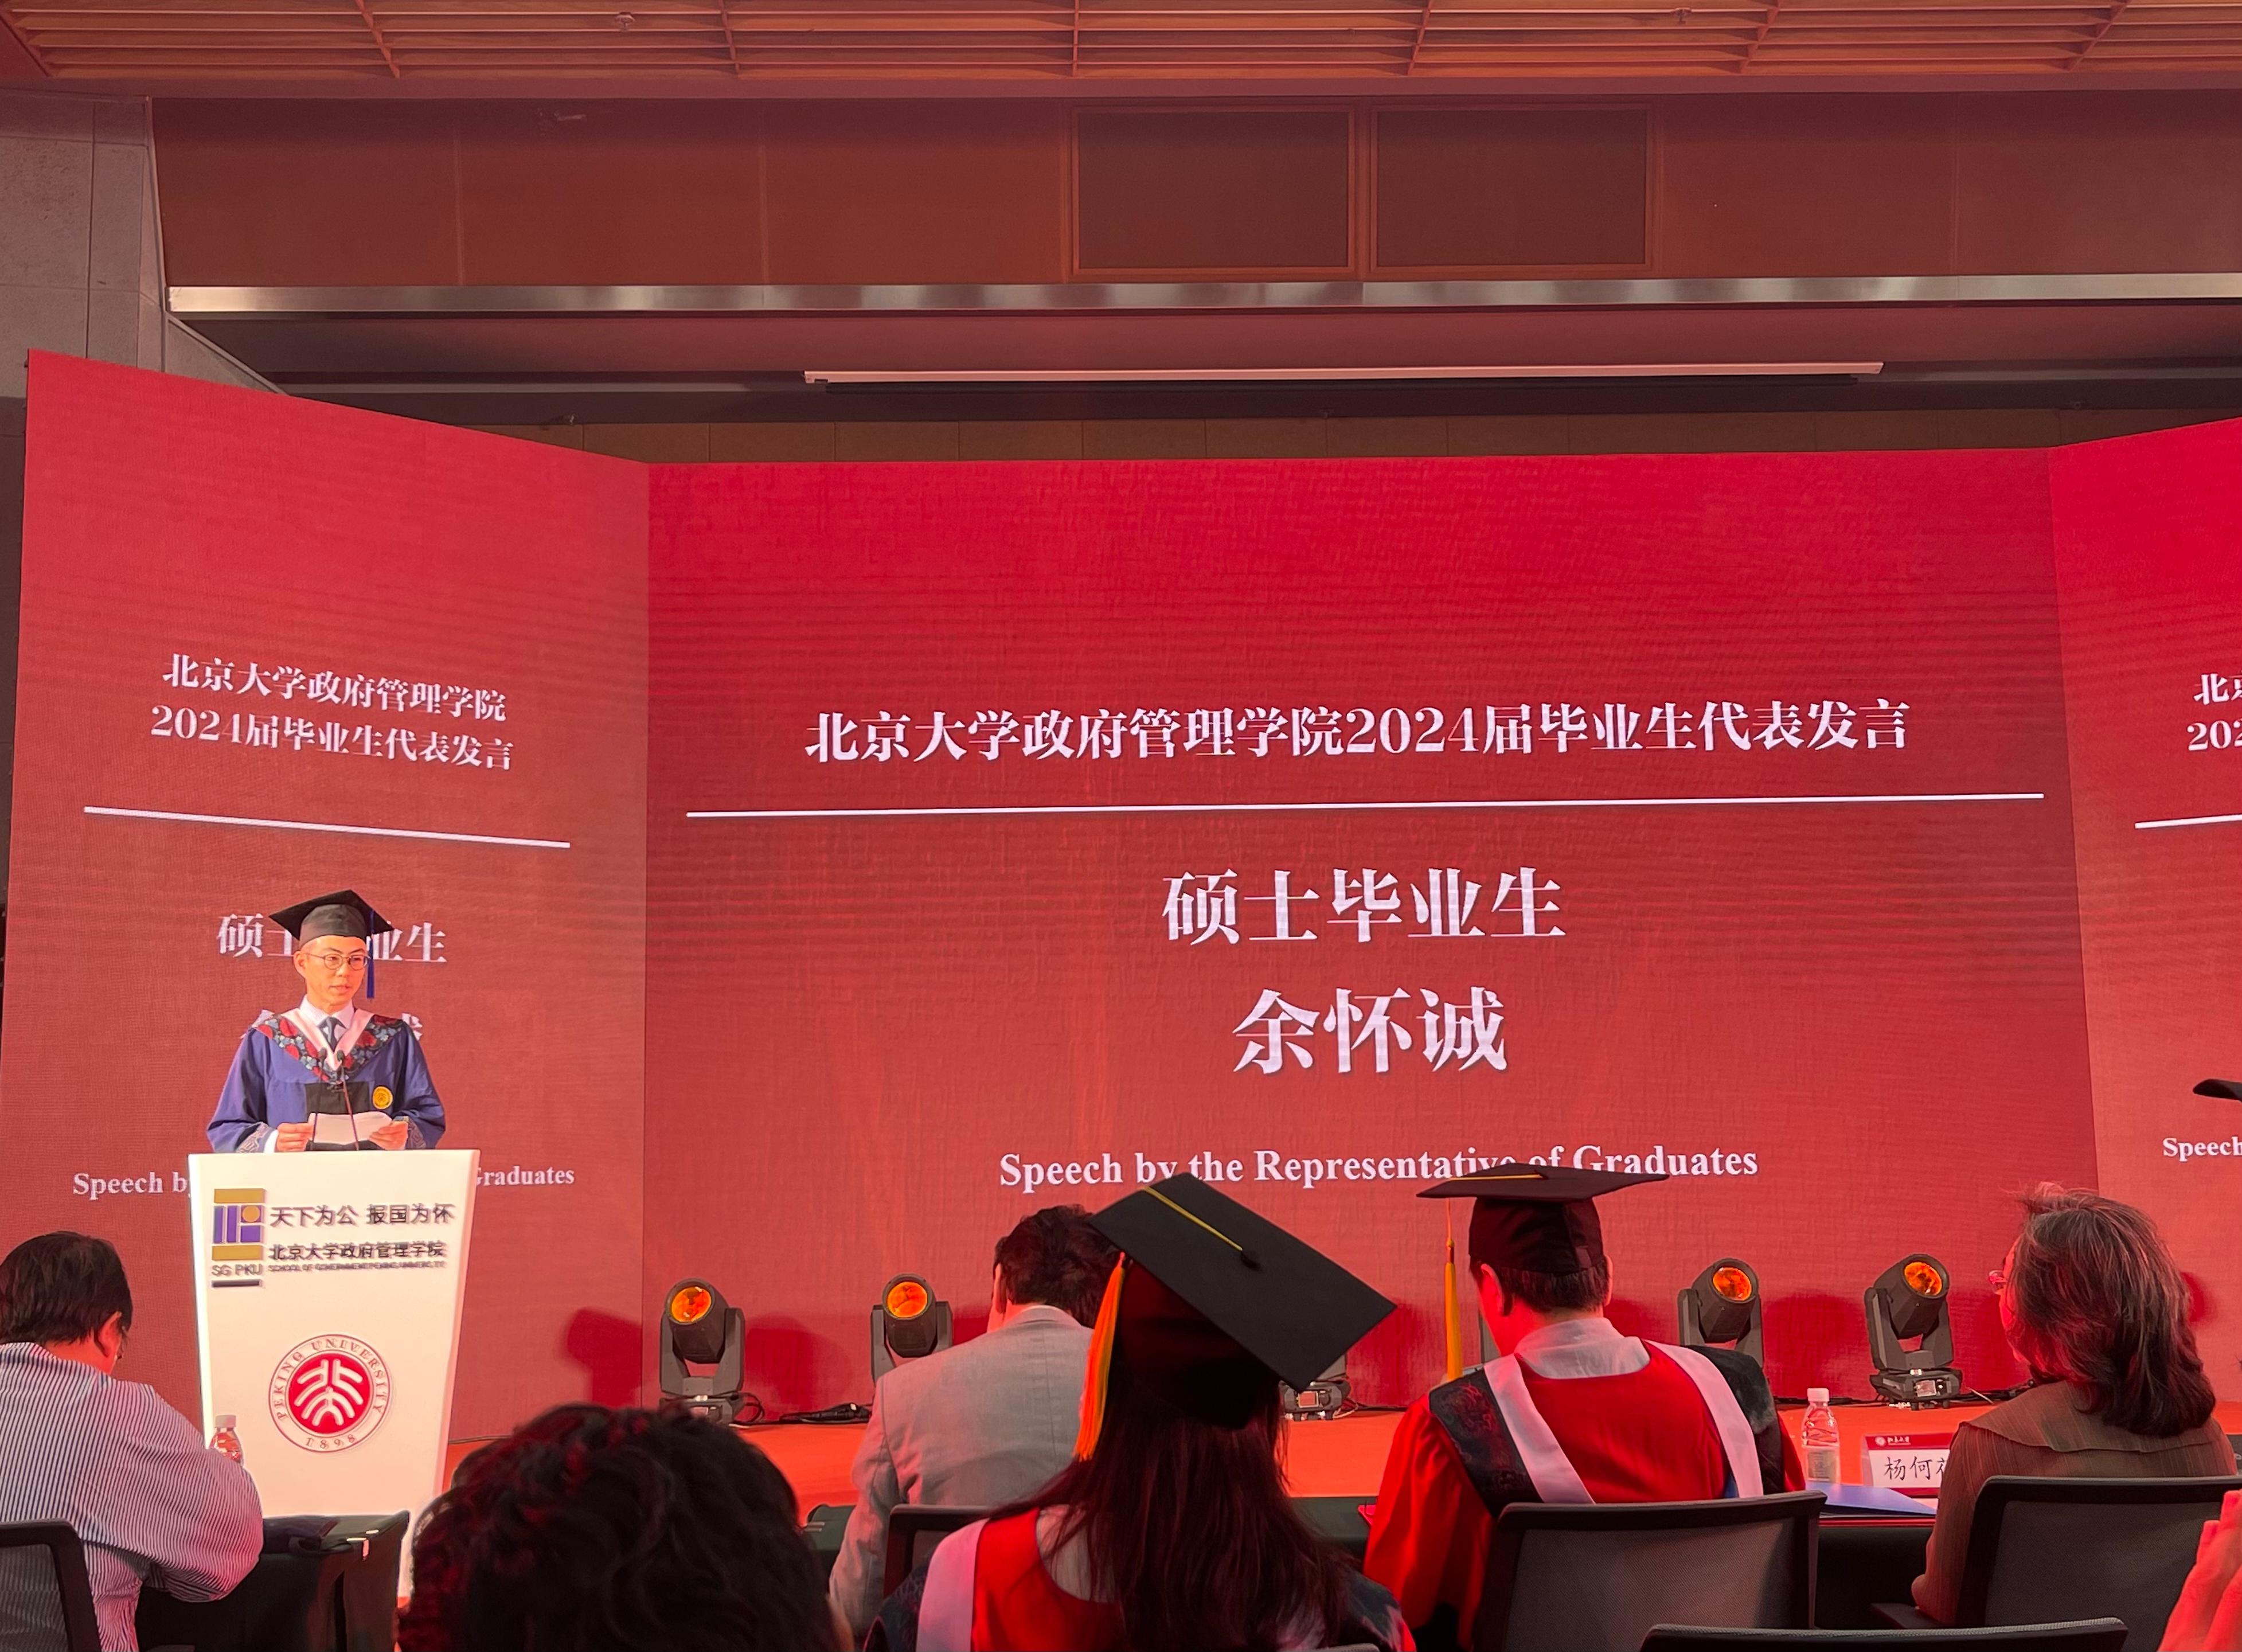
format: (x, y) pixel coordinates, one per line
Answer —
(1854, 1023)
(206, 572)
(2149, 538)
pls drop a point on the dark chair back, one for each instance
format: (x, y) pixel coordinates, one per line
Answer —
(1597, 1577)
(2047, 1549)
(324, 1583)
(45, 1599)
(2092, 1635)
(914, 1531)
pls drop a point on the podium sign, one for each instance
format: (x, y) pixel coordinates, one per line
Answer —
(327, 1295)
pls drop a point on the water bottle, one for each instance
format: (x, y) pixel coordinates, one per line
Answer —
(1821, 1437)
(225, 1439)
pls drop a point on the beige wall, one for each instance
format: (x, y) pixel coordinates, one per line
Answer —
(79, 270)
(81, 259)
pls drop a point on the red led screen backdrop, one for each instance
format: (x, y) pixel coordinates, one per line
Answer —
(804, 872)
(2150, 551)
(1013, 825)
(425, 650)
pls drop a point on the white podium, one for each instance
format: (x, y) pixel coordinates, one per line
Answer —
(327, 1295)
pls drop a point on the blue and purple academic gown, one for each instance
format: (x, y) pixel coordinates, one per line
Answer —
(281, 1058)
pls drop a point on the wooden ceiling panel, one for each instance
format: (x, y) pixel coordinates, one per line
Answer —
(158, 40)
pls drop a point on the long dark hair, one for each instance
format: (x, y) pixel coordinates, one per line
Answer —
(2097, 1300)
(1188, 1531)
(592, 1530)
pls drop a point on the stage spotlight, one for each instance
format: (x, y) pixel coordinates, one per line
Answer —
(1909, 1300)
(1325, 1398)
(2223, 1089)
(1722, 1307)
(907, 1323)
(698, 1328)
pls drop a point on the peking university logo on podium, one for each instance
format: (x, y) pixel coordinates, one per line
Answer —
(328, 1392)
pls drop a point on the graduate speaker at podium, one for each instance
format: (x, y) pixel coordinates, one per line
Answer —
(328, 1290)
(329, 1074)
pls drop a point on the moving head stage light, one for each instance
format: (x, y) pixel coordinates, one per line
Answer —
(699, 1328)
(1909, 1300)
(1722, 1307)
(907, 1323)
(1322, 1399)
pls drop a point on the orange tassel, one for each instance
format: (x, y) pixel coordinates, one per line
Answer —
(1454, 1312)
(1101, 1336)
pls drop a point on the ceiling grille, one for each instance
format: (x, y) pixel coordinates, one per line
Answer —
(1113, 39)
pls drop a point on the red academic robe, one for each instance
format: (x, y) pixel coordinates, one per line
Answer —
(992, 1576)
(1016, 1605)
(1646, 1436)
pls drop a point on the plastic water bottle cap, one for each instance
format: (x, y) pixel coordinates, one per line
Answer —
(225, 1422)
(1817, 1396)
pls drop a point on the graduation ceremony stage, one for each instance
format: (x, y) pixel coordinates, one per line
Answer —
(799, 873)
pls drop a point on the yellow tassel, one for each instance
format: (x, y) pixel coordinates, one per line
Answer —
(1102, 1337)
(1454, 1316)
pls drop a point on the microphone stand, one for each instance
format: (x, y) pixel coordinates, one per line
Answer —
(350, 1105)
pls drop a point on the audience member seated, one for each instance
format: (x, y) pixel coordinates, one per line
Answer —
(2208, 1616)
(1174, 1528)
(1571, 1411)
(990, 1419)
(2097, 1312)
(592, 1530)
(152, 1504)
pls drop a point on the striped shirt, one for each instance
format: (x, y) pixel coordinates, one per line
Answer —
(151, 1502)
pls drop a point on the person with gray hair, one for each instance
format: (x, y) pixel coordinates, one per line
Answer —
(2096, 1310)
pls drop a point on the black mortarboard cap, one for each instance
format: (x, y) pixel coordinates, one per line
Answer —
(2223, 1089)
(345, 912)
(1220, 1283)
(1541, 1217)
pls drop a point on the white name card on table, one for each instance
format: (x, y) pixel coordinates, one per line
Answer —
(1911, 1463)
(328, 1288)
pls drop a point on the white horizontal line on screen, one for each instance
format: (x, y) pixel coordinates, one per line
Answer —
(1328, 374)
(329, 826)
(2188, 820)
(1265, 808)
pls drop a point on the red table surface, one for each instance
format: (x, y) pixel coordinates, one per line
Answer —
(1343, 1458)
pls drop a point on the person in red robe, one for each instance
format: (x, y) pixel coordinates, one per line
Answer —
(1172, 1529)
(1570, 1411)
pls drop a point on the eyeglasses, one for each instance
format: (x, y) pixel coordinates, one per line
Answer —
(336, 960)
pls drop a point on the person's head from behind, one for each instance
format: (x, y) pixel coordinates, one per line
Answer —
(1055, 1256)
(67, 1292)
(1536, 1264)
(1519, 1300)
(1180, 1502)
(593, 1530)
(2091, 1296)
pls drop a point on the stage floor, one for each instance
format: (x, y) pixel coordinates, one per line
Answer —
(1342, 1458)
